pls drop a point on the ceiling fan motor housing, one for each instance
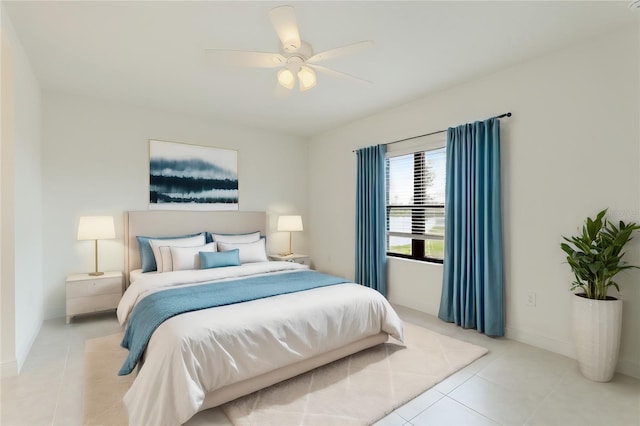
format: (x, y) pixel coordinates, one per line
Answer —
(304, 52)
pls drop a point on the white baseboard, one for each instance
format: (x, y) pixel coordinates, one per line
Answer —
(626, 367)
(22, 357)
(553, 345)
(629, 368)
(8, 369)
(14, 367)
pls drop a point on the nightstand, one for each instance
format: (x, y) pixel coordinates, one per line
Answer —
(302, 259)
(88, 294)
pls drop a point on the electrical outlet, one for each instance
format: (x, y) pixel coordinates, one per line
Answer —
(531, 299)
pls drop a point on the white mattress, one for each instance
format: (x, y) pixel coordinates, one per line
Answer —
(137, 273)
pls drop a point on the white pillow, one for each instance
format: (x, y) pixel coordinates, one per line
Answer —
(251, 237)
(167, 256)
(165, 264)
(249, 252)
(198, 240)
(184, 258)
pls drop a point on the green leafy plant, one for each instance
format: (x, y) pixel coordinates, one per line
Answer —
(595, 256)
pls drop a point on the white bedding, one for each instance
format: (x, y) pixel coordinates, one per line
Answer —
(143, 284)
(198, 352)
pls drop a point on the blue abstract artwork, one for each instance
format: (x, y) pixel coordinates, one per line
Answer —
(192, 177)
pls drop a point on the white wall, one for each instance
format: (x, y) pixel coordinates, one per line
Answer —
(21, 211)
(96, 161)
(570, 149)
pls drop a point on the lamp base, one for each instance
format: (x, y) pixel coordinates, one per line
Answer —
(285, 254)
(96, 274)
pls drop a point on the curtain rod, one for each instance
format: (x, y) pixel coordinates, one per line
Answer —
(506, 114)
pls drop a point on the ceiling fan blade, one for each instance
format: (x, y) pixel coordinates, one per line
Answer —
(338, 74)
(341, 51)
(284, 22)
(244, 58)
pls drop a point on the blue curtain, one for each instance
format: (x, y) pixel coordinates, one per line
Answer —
(370, 219)
(472, 287)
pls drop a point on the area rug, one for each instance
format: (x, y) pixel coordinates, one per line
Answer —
(103, 388)
(356, 390)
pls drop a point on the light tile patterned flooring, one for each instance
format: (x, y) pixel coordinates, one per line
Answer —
(515, 384)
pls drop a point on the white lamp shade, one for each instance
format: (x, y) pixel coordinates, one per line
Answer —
(286, 78)
(290, 223)
(307, 78)
(96, 228)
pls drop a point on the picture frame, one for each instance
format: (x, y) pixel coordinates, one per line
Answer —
(192, 177)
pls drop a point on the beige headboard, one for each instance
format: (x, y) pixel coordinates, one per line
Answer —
(161, 223)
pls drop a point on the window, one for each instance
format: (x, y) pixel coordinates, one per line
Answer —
(415, 204)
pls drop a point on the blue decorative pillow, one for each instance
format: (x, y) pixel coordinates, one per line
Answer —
(147, 259)
(218, 260)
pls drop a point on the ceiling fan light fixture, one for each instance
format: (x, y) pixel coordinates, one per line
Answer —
(286, 78)
(307, 78)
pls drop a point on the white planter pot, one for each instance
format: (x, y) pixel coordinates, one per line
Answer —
(597, 325)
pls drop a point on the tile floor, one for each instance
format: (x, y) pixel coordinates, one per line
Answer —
(515, 384)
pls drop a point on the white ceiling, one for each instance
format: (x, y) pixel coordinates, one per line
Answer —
(151, 53)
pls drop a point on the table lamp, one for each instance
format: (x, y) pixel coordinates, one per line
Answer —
(289, 224)
(96, 228)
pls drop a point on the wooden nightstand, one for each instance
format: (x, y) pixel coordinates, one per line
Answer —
(302, 259)
(88, 294)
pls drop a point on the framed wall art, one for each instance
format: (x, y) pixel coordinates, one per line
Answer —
(192, 177)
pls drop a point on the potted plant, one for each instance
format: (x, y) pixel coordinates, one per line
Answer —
(595, 257)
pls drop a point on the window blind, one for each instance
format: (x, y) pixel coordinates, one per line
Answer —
(415, 202)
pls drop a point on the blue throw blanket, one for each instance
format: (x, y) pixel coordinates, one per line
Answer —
(154, 309)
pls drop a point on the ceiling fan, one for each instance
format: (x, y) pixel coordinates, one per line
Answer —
(296, 56)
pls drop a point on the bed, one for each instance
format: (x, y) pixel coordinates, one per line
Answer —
(204, 358)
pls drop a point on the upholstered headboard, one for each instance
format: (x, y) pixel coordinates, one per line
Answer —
(167, 223)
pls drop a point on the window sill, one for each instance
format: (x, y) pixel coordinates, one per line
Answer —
(411, 259)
